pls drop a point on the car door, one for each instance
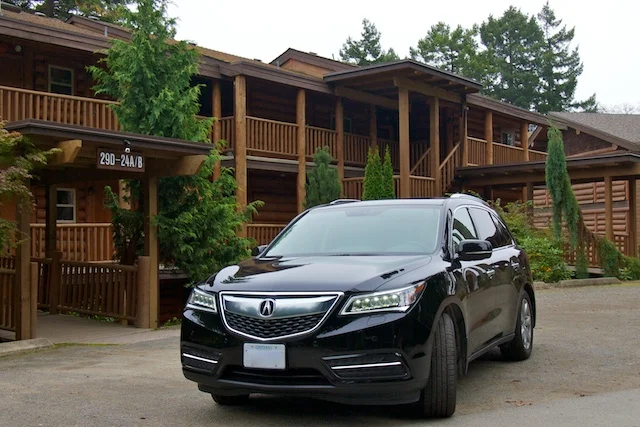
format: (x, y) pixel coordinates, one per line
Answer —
(501, 269)
(474, 277)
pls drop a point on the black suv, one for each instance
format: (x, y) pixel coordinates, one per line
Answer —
(376, 302)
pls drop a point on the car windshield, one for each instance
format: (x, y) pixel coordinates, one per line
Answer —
(361, 230)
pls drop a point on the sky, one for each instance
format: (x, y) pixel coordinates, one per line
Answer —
(606, 33)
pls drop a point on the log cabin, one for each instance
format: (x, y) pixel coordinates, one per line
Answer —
(442, 134)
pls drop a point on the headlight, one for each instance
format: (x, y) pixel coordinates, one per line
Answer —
(394, 300)
(199, 300)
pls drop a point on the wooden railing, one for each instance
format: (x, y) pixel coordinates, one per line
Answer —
(7, 298)
(422, 186)
(420, 160)
(320, 138)
(271, 137)
(356, 148)
(477, 151)
(99, 289)
(536, 156)
(20, 104)
(264, 233)
(448, 168)
(44, 275)
(507, 154)
(394, 150)
(228, 131)
(77, 242)
(353, 187)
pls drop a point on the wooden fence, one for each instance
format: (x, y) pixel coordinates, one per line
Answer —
(264, 233)
(77, 242)
(7, 298)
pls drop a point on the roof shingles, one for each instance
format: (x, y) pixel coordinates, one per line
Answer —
(624, 126)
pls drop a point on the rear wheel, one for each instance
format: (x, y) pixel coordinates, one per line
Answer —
(522, 344)
(438, 399)
(230, 400)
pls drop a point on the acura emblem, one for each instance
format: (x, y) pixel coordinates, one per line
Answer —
(267, 307)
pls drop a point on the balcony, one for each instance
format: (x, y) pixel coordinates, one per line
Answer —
(501, 153)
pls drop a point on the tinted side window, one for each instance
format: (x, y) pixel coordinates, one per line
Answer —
(505, 236)
(462, 228)
(487, 229)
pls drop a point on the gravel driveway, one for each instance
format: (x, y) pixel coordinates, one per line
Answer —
(586, 344)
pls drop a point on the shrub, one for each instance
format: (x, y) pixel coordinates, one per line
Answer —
(323, 183)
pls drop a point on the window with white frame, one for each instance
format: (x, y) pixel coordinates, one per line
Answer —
(60, 80)
(66, 205)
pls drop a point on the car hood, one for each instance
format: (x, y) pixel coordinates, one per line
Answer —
(316, 274)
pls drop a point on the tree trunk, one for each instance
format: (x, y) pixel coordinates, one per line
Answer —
(49, 8)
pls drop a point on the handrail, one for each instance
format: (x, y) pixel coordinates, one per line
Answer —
(446, 159)
(424, 156)
(320, 129)
(271, 121)
(58, 95)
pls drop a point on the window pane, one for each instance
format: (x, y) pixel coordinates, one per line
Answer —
(362, 230)
(504, 235)
(462, 227)
(486, 228)
(65, 213)
(65, 197)
(63, 90)
(62, 76)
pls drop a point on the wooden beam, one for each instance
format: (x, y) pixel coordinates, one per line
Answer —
(524, 137)
(488, 136)
(301, 120)
(340, 139)
(150, 194)
(51, 213)
(373, 125)
(187, 165)
(463, 134)
(425, 89)
(535, 134)
(633, 222)
(240, 113)
(217, 126)
(450, 119)
(404, 152)
(368, 98)
(69, 152)
(22, 301)
(434, 142)
(608, 206)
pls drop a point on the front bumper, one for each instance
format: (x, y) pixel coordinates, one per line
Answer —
(376, 359)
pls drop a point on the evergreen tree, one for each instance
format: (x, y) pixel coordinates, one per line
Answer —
(372, 185)
(560, 66)
(452, 50)
(367, 50)
(323, 182)
(150, 77)
(388, 187)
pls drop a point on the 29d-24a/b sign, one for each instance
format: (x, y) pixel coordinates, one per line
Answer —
(119, 160)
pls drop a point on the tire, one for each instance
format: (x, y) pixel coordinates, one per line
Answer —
(230, 400)
(438, 398)
(521, 346)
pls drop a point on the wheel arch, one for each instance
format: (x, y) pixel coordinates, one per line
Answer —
(528, 288)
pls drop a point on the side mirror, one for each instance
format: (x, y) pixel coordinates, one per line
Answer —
(474, 250)
(258, 250)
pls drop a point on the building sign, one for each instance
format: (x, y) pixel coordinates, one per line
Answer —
(119, 160)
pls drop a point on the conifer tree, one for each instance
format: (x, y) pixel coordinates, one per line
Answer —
(323, 183)
(389, 191)
(372, 186)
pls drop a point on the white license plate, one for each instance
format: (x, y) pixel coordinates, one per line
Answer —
(264, 356)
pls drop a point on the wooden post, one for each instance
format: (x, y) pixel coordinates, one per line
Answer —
(633, 208)
(488, 136)
(524, 136)
(608, 206)
(22, 305)
(405, 161)
(301, 120)
(55, 277)
(450, 120)
(434, 142)
(217, 127)
(340, 142)
(142, 307)
(240, 112)
(373, 125)
(34, 273)
(150, 190)
(51, 216)
(463, 133)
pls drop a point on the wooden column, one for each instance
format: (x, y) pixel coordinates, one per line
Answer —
(50, 236)
(463, 133)
(524, 136)
(301, 120)
(240, 112)
(608, 206)
(217, 127)
(633, 208)
(373, 125)
(22, 302)
(150, 194)
(488, 136)
(340, 140)
(404, 152)
(450, 120)
(434, 141)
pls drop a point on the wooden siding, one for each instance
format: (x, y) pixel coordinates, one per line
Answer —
(277, 191)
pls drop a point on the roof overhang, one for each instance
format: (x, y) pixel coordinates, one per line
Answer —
(509, 110)
(581, 169)
(605, 136)
(312, 59)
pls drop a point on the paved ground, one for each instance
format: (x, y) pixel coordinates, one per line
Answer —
(585, 370)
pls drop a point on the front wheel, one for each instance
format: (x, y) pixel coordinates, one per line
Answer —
(438, 398)
(522, 344)
(230, 400)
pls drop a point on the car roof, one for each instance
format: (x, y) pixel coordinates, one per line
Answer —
(457, 198)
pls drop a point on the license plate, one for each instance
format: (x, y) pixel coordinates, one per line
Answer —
(264, 356)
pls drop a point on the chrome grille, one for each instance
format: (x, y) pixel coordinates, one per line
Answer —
(290, 314)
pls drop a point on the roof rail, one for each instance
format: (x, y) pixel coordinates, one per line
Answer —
(467, 196)
(341, 201)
